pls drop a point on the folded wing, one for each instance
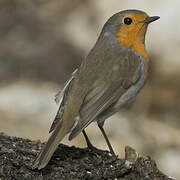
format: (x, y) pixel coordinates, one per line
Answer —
(105, 94)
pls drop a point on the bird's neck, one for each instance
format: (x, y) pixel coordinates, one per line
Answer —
(140, 48)
(133, 39)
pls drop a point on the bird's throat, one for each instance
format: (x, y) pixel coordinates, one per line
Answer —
(133, 38)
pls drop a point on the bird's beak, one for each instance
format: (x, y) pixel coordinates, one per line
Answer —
(150, 19)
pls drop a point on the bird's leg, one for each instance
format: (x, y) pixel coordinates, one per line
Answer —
(106, 138)
(89, 144)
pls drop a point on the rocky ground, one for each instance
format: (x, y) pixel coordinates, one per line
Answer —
(17, 156)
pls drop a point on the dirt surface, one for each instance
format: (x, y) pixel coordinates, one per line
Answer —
(17, 156)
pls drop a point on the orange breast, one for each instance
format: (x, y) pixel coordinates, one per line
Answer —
(134, 35)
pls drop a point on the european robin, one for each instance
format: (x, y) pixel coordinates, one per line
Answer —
(112, 74)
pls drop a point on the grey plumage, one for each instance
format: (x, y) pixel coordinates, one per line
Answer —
(108, 78)
(61, 97)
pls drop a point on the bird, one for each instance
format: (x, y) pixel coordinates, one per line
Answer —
(111, 76)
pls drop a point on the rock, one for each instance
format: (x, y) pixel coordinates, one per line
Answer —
(17, 156)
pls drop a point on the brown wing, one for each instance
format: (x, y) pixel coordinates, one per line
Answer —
(62, 95)
(104, 95)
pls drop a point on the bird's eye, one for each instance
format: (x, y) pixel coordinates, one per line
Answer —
(127, 21)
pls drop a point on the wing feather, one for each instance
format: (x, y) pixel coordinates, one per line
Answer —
(103, 96)
(62, 96)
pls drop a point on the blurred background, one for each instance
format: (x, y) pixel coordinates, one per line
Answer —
(41, 44)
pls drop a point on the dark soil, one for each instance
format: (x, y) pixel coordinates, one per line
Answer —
(17, 156)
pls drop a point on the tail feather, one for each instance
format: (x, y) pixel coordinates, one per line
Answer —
(51, 145)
